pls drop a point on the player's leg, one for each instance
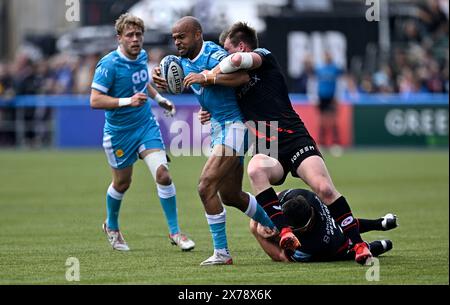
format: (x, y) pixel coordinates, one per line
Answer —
(269, 246)
(215, 170)
(114, 196)
(231, 194)
(379, 247)
(385, 223)
(313, 171)
(157, 163)
(265, 171)
(120, 152)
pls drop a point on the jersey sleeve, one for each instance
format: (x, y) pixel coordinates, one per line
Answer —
(104, 76)
(265, 54)
(216, 57)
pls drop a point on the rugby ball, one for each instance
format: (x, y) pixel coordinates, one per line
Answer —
(172, 72)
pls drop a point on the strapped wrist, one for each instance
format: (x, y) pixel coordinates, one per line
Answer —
(210, 78)
(159, 98)
(124, 101)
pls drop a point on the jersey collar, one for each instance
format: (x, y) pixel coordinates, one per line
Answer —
(199, 53)
(126, 58)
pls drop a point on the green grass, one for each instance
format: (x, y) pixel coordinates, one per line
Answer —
(52, 206)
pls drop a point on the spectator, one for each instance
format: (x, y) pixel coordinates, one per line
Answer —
(327, 77)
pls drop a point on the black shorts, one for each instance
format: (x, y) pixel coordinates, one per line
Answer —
(327, 105)
(294, 153)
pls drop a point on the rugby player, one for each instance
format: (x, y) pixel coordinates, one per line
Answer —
(121, 87)
(264, 97)
(221, 177)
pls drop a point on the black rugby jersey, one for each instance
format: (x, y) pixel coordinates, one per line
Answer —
(265, 98)
(325, 240)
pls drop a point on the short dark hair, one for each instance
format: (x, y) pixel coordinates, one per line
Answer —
(223, 36)
(298, 211)
(241, 31)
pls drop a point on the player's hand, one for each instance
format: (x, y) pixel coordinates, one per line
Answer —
(169, 108)
(204, 116)
(194, 78)
(138, 99)
(157, 79)
(266, 232)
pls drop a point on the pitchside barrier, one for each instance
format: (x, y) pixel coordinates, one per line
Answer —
(364, 120)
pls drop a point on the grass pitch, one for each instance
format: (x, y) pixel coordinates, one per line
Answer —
(52, 205)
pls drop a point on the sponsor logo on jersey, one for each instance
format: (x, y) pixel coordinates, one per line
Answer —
(301, 152)
(347, 221)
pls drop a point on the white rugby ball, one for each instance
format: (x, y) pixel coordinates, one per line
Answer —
(172, 72)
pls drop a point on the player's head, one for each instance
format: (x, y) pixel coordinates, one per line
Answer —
(299, 213)
(130, 34)
(327, 57)
(187, 35)
(240, 38)
(223, 36)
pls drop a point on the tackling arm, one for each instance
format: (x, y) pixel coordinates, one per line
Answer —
(239, 61)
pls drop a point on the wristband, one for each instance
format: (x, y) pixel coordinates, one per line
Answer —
(124, 101)
(211, 78)
(158, 98)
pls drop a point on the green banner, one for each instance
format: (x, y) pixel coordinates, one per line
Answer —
(401, 125)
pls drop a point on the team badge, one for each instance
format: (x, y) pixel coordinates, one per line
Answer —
(119, 153)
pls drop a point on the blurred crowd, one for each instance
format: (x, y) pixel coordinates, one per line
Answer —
(59, 74)
(418, 61)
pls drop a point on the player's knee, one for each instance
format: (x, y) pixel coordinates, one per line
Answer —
(122, 186)
(163, 176)
(325, 191)
(256, 173)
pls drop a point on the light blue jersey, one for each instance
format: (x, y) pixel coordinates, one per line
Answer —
(220, 101)
(128, 131)
(120, 77)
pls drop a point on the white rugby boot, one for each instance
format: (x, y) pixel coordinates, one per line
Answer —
(182, 241)
(115, 238)
(389, 222)
(218, 258)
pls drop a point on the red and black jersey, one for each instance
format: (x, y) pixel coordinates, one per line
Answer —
(265, 98)
(325, 240)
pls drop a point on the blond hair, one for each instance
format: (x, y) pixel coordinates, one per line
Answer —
(126, 20)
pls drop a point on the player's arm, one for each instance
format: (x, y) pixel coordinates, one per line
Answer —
(239, 61)
(206, 78)
(162, 101)
(100, 100)
(269, 246)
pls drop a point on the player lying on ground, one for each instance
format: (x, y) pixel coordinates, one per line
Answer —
(320, 238)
